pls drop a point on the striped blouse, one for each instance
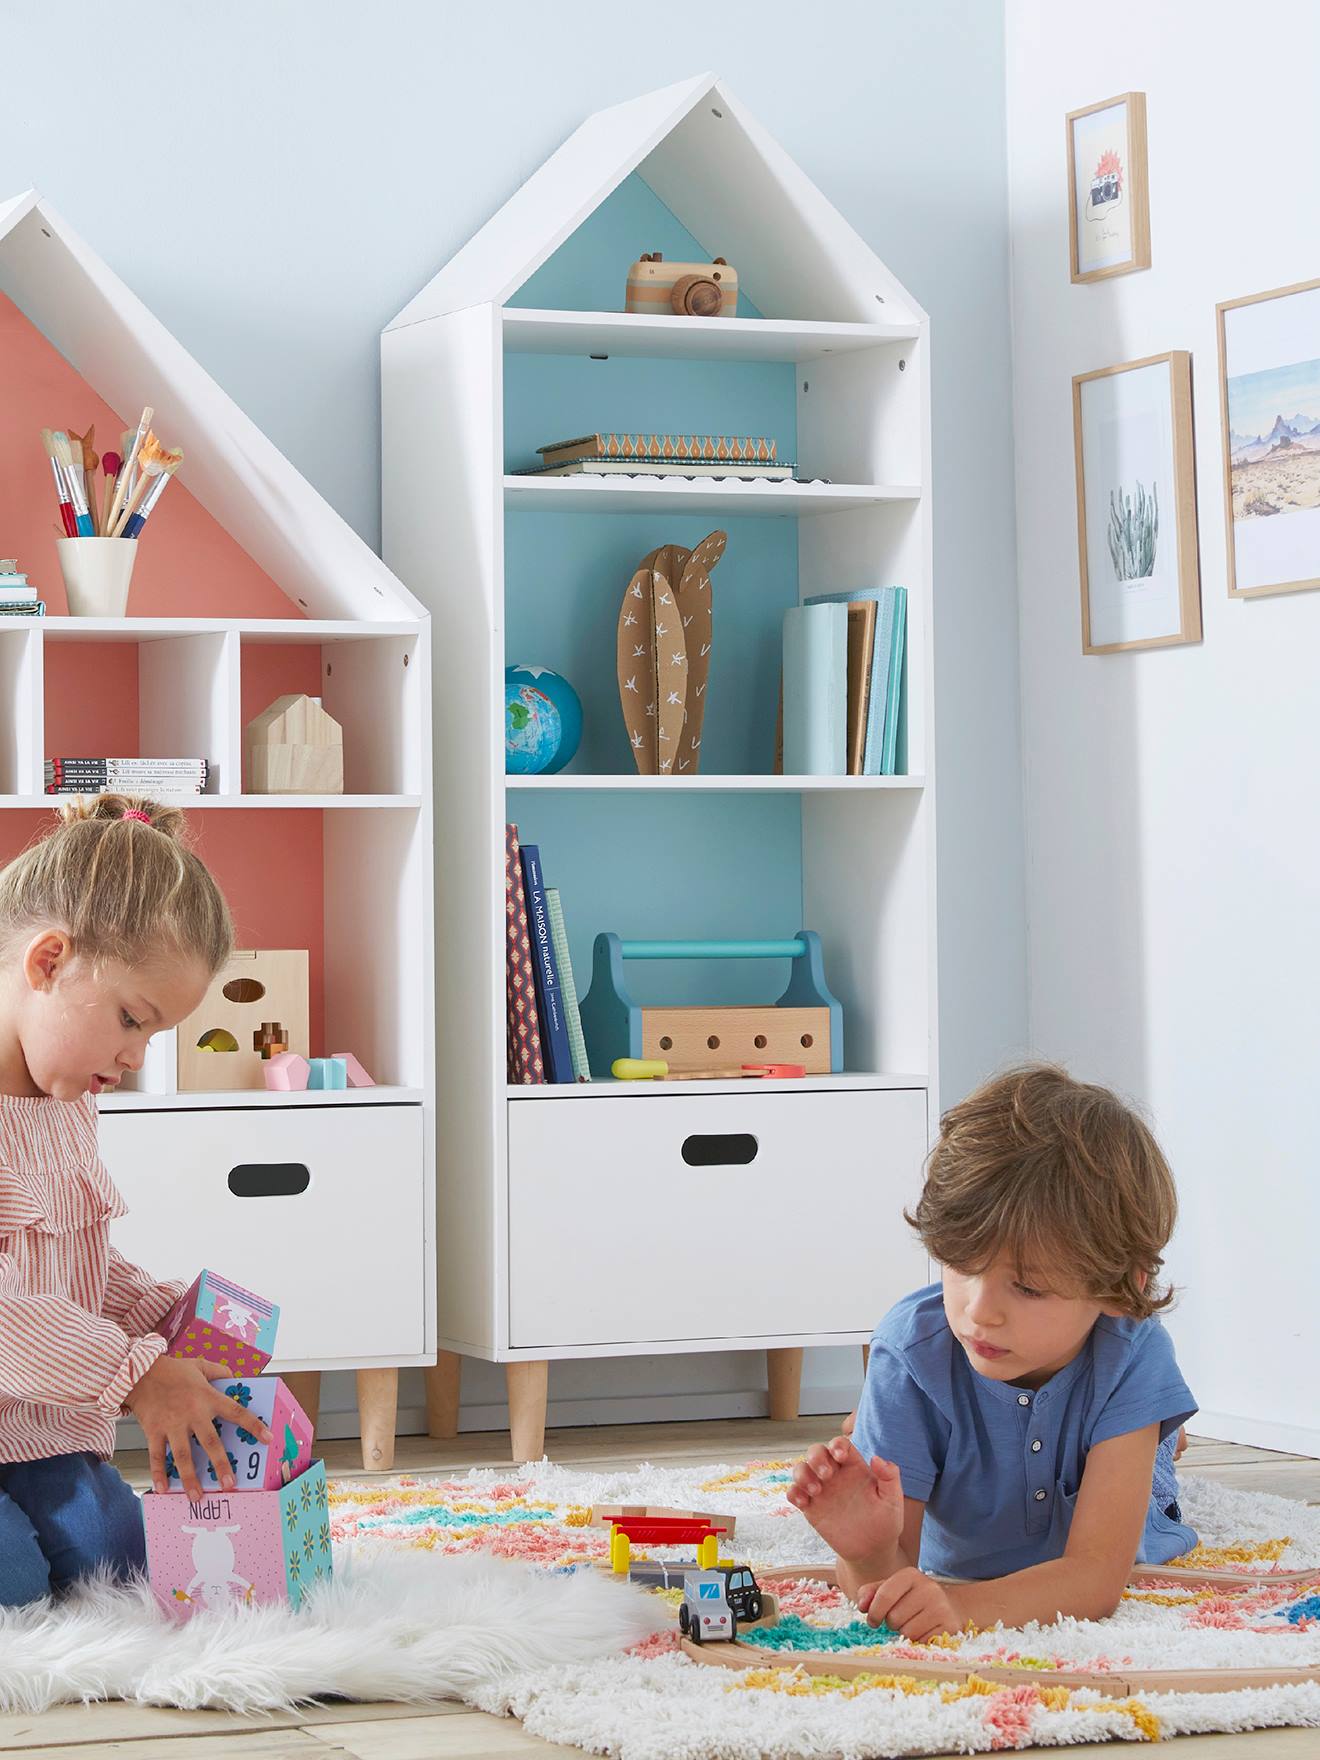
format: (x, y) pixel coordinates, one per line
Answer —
(75, 1316)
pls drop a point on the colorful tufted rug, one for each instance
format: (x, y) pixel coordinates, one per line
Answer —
(653, 1703)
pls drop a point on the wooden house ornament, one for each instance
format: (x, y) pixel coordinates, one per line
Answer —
(295, 747)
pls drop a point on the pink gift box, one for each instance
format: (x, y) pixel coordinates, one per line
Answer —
(257, 1465)
(244, 1548)
(221, 1322)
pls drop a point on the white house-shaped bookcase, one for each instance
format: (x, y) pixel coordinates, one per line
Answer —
(549, 1192)
(247, 586)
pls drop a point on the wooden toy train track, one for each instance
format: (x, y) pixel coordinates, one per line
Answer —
(1112, 1683)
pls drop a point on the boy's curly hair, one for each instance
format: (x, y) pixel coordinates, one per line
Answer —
(1061, 1178)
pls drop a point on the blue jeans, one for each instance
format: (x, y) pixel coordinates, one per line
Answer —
(61, 1519)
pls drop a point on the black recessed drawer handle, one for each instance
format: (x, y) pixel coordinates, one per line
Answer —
(269, 1179)
(733, 1149)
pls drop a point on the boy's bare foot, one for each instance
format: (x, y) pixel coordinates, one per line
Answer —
(855, 1507)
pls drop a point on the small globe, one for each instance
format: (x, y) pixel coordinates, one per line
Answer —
(542, 721)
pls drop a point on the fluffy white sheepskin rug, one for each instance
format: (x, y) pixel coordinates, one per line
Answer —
(406, 1626)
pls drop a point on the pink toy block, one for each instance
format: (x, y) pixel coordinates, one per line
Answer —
(222, 1323)
(258, 1466)
(237, 1548)
(286, 1072)
(357, 1076)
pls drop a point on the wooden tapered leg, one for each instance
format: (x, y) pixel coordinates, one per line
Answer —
(528, 1385)
(442, 1388)
(866, 1358)
(784, 1373)
(378, 1405)
(305, 1386)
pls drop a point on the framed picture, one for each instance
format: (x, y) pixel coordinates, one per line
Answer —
(1108, 196)
(1136, 505)
(1269, 405)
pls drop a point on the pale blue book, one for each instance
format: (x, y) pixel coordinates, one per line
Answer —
(886, 601)
(559, 936)
(894, 692)
(816, 690)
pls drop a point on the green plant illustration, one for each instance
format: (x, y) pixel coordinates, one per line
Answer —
(1134, 524)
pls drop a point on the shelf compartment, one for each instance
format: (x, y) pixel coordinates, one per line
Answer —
(21, 729)
(695, 495)
(350, 885)
(371, 684)
(528, 331)
(140, 695)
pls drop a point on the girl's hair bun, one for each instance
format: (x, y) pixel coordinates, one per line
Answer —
(170, 820)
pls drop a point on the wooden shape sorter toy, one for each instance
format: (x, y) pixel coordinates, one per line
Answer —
(260, 998)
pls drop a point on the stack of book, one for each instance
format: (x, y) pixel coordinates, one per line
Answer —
(545, 1042)
(843, 683)
(17, 598)
(138, 776)
(661, 455)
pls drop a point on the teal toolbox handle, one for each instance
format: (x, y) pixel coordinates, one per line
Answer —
(712, 949)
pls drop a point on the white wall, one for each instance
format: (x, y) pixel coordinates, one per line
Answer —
(276, 180)
(1173, 855)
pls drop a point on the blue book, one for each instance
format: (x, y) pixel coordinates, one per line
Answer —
(894, 693)
(886, 601)
(816, 690)
(549, 994)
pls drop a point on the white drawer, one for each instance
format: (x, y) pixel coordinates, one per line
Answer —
(346, 1259)
(615, 1237)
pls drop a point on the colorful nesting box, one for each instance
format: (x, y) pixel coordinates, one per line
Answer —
(258, 1466)
(221, 1322)
(241, 1548)
(805, 1026)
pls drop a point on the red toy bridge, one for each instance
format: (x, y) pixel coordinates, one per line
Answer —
(665, 1530)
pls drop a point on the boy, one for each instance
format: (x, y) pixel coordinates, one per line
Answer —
(1019, 1418)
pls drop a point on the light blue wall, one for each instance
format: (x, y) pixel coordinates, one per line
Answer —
(277, 179)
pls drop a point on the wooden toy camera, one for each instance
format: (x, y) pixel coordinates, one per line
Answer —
(692, 290)
(805, 1026)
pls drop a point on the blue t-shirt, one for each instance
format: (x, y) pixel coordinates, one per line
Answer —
(999, 1467)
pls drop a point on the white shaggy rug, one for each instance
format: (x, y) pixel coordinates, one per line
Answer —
(400, 1626)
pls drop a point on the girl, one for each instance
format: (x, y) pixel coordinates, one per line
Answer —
(110, 931)
(1019, 1421)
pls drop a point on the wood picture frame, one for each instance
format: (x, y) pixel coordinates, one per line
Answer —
(1139, 419)
(1115, 198)
(1276, 470)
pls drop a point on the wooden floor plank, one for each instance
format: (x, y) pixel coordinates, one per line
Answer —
(276, 1744)
(115, 1720)
(472, 1736)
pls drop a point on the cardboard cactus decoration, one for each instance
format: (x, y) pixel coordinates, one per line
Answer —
(665, 636)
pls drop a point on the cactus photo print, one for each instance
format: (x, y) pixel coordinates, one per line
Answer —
(1136, 505)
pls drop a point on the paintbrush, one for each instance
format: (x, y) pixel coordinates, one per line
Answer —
(135, 522)
(73, 478)
(82, 445)
(110, 463)
(67, 515)
(130, 460)
(153, 459)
